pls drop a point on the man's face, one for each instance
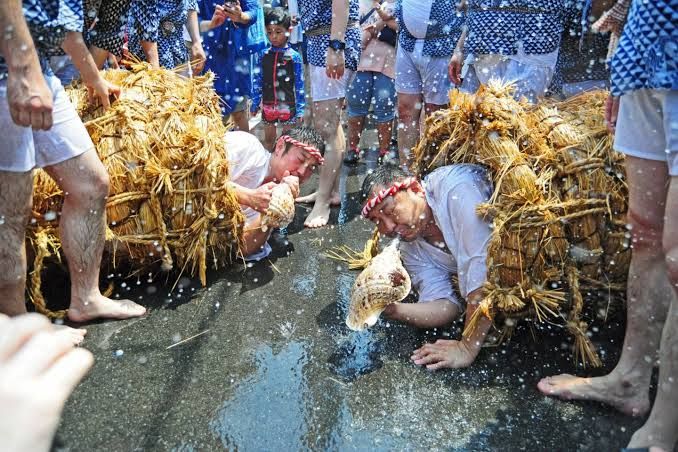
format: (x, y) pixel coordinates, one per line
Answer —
(297, 161)
(277, 34)
(401, 214)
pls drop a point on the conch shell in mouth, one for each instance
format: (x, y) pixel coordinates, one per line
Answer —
(280, 210)
(384, 281)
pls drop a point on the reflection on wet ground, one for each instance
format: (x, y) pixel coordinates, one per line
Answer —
(267, 363)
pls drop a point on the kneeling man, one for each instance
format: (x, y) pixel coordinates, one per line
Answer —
(441, 237)
(254, 172)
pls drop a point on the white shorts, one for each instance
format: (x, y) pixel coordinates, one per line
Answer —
(531, 80)
(647, 126)
(417, 73)
(325, 88)
(22, 149)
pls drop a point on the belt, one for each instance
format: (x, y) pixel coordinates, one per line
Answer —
(512, 10)
(327, 29)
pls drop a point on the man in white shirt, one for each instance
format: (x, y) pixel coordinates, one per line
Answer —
(441, 236)
(254, 172)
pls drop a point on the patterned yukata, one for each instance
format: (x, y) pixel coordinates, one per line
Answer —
(516, 41)
(644, 72)
(318, 14)
(160, 21)
(442, 32)
(105, 24)
(581, 62)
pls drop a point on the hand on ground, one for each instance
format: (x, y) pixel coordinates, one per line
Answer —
(444, 354)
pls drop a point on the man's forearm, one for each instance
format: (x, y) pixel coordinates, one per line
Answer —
(475, 338)
(254, 238)
(150, 49)
(431, 314)
(74, 45)
(242, 194)
(16, 44)
(339, 19)
(193, 26)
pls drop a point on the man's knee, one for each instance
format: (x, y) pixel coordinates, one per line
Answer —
(670, 248)
(93, 187)
(406, 108)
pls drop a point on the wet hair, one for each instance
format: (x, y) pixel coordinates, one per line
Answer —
(383, 176)
(277, 16)
(306, 135)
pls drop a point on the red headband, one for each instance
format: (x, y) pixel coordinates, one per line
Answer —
(315, 153)
(383, 194)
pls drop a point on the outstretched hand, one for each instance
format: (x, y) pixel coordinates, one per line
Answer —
(444, 354)
(39, 369)
(102, 90)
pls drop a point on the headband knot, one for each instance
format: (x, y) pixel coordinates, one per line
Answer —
(315, 153)
(386, 192)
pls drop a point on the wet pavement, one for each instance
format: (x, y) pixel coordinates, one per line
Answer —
(266, 363)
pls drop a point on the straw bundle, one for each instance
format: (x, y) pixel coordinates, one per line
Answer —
(162, 145)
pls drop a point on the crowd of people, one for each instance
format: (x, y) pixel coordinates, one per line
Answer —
(299, 64)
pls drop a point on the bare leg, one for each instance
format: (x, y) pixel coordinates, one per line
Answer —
(432, 314)
(356, 125)
(409, 110)
(82, 228)
(661, 427)
(269, 136)
(16, 191)
(649, 292)
(327, 121)
(241, 120)
(384, 135)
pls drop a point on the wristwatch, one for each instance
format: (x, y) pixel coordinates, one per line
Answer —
(337, 45)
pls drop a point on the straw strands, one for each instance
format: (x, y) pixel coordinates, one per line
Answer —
(170, 203)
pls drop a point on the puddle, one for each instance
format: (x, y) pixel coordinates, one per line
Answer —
(268, 409)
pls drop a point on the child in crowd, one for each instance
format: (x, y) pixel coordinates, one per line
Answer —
(280, 80)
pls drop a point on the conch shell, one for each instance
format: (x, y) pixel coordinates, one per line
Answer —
(384, 281)
(280, 210)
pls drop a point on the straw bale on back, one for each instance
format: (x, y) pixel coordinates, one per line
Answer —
(169, 201)
(559, 205)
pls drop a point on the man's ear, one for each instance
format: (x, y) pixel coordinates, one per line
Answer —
(279, 147)
(416, 187)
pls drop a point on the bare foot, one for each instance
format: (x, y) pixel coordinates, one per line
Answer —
(335, 199)
(644, 437)
(318, 217)
(102, 307)
(628, 398)
(75, 335)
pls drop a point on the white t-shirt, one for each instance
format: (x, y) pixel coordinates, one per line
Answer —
(452, 192)
(248, 163)
(416, 14)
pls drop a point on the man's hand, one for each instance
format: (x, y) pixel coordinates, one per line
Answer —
(335, 64)
(260, 198)
(218, 18)
(30, 99)
(611, 112)
(233, 11)
(198, 58)
(454, 68)
(292, 182)
(445, 354)
(102, 90)
(39, 369)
